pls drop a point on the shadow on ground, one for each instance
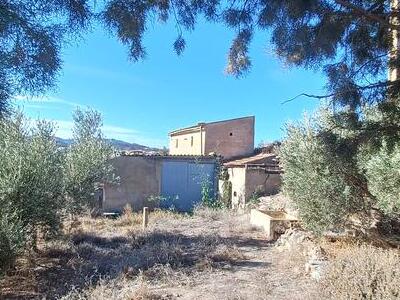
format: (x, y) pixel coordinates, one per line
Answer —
(88, 257)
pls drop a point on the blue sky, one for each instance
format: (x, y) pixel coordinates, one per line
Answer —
(141, 102)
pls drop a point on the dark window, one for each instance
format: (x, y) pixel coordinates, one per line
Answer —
(191, 141)
(234, 194)
(176, 143)
(231, 134)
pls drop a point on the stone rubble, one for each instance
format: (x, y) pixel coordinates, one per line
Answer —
(317, 262)
(302, 241)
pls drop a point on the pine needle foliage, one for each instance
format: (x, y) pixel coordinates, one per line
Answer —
(350, 40)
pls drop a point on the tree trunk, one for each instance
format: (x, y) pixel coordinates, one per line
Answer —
(395, 37)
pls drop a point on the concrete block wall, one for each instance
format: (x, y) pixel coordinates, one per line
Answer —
(139, 179)
(231, 138)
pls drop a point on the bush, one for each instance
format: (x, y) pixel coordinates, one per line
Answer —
(207, 197)
(226, 193)
(335, 167)
(365, 272)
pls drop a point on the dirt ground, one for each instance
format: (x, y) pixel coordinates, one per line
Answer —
(208, 255)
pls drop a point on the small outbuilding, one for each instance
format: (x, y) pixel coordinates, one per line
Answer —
(166, 180)
(250, 177)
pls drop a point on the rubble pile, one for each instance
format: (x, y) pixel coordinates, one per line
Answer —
(292, 238)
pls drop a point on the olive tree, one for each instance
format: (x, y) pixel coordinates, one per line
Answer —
(313, 178)
(86, 161)
(31, 183)
(332, 179)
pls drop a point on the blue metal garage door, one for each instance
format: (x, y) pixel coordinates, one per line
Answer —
(181, 183)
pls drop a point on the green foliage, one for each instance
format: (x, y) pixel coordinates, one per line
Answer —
(12, 239)
(382, 171)
(38, 181)
(31, 172)
(206, 193)
(226, 195)
(207, 197)
(313, 178)
(31, 36)
(31, 182)
(86, 161)
(333, 169)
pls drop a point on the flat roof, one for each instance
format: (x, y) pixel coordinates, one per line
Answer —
(168, 156)
(199, 125)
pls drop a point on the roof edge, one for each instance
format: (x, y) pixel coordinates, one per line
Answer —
(201, 124)
(186, 130)
(229, 120)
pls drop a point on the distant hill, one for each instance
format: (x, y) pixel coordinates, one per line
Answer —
(118, 144)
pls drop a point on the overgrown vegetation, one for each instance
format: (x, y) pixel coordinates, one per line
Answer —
(38, 180)
(314, 179)
(226, 193)
(208, 198)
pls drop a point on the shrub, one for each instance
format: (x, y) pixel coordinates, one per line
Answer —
(364, 272)
(335, 169)
(226, 193)
(36, 177)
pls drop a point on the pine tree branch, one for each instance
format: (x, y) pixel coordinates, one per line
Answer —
(373, 17)
(375, 85)
(309, 96)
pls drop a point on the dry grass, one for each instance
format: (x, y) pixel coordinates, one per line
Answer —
(363, 272)
(211, 254)
(118, 289)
